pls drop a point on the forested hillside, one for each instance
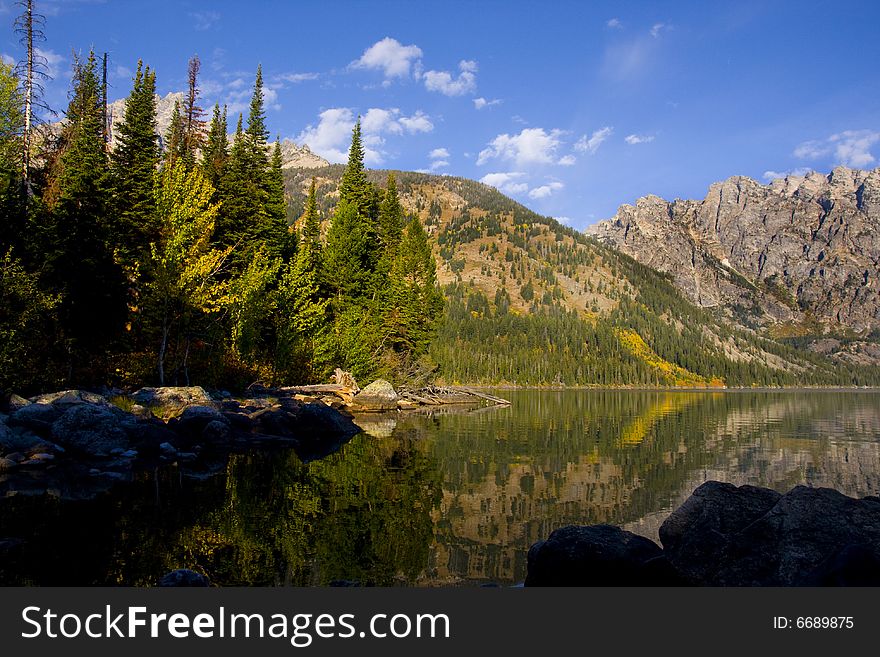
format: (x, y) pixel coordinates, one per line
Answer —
(531, 301)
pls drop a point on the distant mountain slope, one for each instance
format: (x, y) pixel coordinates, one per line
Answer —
(800, 255)
(532, 301)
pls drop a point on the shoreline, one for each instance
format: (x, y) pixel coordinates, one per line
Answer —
(562, 388)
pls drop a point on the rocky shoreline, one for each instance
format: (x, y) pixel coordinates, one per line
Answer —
(724, 535)
(74, 444)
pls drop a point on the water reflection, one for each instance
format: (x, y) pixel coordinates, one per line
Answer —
(447, 498)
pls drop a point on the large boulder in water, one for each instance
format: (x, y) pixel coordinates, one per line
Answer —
(171, 401)
(597, 555)
(93, 430)
(747, 536)
(697, 533)
(378, 396)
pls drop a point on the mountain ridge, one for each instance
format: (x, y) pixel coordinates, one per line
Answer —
(799, 255)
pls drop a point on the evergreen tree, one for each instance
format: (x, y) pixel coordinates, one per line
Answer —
(231, 226)
(416, 303)
(345, 257)
(175, 138)
(216, 151)
(12, 199)
(310, 231)
(257, 134)
(133, 163)
(192, 114)
(276, 232)
(354, 186)
(302, 350)
(390, 225)
(82, 265)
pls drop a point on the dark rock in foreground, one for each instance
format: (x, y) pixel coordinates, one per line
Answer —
(599, 555)
(725, 535)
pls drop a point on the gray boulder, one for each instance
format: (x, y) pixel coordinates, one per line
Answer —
(194, 419)
(171, 401)
(36, 417)
(12, 402)
(66, 398)
(94, 430)
(378, 396)
(598, 555)
(217, 432)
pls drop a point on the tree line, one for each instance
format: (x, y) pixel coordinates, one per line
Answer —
(171, 259)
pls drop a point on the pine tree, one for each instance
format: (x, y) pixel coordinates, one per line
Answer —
(216, 151)
(133, 163)
(231, 225)
(192, 114)
(310, 231)
(390, 225)
(175, 139)
(81, 264)
(416, 303)
(354, 186)
(257, 135)
(302, 349)
(276, 233)
(345, 257)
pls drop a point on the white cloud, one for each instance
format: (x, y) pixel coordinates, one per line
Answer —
(439, 164)
(9, 60)
(480, 103)
(614, 24)
(773, 175)
(851, 148)
(393, 58)
(446, 84)
(418, 122)
(591, 144)
(567, 160)
(531, 146)
(204, 20)
(545, 190)
(238, 97)
(656, 28)
(632, 140)
(296, 78)
(331, 137)
(509, 182)
(564, 220)
(438, 153)
(52, 60)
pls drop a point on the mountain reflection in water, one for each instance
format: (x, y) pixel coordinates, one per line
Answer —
(445, 499)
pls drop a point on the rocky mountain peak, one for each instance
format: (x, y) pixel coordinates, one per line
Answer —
(802, 250)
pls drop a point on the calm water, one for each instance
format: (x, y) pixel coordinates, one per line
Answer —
(449, 499)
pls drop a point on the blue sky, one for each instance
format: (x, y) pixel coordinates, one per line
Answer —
(572, 108)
